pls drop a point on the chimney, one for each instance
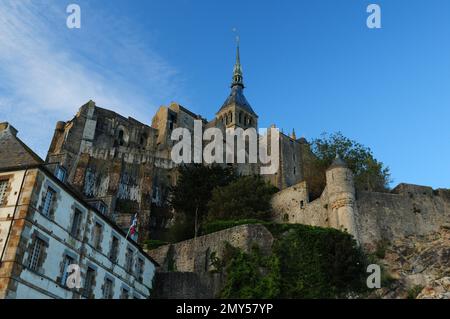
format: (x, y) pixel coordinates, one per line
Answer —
(6, 128)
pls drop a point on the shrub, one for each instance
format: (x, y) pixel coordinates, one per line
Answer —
(218, 225)
(251, 275)
(306, 262)
(154, 243)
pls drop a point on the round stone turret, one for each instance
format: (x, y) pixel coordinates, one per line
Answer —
(341, 196)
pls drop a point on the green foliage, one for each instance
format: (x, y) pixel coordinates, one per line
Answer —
(414, 292)
(380, 251)
(193, 191)
(318, 262)
(370, 174)
(182, 229)
(217, 225)
(246, 197)
(306, 262)
(154, 243)
(251, 275)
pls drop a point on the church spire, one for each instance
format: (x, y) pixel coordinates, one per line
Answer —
(237, 70)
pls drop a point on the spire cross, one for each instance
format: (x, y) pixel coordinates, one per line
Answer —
(237, 71)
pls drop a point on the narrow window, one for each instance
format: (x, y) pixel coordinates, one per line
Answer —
(108, 289)
(48, 201)
(97, 235)
(76, 223)
(114, 252)
(302, 204)
(61, 173)
(89, 283)
(240, 117)
(3, 187)
(125, 294)
(139, 269)
(37, 250)
(65, 274)
(129, 260)
(102, 208)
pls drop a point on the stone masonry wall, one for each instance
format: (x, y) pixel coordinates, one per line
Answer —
(291, 205)
(194, 255)
(406, 211)
(186, 270)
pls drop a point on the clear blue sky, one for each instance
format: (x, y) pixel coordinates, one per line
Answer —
(309, 65)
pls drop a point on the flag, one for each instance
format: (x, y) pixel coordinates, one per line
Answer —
(133, 226)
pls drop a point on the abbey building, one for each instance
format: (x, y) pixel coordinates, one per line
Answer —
(124, 166)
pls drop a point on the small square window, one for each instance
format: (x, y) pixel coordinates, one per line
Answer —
(102, 208)
(61, 173)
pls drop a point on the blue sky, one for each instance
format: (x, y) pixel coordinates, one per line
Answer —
(309, 65)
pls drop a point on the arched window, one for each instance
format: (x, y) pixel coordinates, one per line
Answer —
(240, 117)
(231, 117)
(245, 120)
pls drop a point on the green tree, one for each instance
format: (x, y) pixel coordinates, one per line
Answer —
(246, 197)
(369, 173)
(192, 193)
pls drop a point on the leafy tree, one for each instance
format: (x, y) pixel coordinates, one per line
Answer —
(246, 197)
(250, 275)
(305, 262)
(369, 173)
(193, 191)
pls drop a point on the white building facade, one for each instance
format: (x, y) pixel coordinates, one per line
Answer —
(51, 240)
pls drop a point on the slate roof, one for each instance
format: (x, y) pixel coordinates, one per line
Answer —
(13, 152)
(338, 162)
(237, 97)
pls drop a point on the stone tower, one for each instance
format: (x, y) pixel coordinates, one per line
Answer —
(236, 111)
(341, 197)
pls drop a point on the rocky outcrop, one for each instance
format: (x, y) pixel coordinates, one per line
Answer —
(418, 267)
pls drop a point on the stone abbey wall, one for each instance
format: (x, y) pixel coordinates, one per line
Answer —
(186, 269)
(407, 210)
(194, 255)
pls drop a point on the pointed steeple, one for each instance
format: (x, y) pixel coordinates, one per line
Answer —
(293, 136)
(238, 79)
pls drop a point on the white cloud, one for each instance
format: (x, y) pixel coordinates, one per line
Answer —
(48, 71)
